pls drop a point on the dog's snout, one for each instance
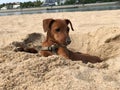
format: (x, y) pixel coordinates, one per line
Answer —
(68, 40)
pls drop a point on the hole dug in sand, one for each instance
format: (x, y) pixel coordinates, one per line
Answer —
(104, 43)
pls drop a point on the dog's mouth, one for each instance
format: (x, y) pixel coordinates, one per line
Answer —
(65, 44)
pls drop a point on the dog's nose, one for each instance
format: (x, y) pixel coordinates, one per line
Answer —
(68, 40)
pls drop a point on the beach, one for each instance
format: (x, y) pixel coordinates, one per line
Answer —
(95, 33)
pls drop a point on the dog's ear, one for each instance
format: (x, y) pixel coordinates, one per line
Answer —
(47, 24)
(69, 22)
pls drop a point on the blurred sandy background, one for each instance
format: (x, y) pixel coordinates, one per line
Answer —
(96, 33)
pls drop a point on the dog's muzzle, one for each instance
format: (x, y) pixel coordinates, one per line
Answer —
(68, 40)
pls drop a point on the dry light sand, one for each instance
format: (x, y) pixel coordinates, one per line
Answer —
(96, 33)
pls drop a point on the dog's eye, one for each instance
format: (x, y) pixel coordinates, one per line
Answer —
(58, 30)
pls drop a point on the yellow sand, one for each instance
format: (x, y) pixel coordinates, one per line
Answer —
(96, 33)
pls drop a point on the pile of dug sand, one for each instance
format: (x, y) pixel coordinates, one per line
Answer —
(24, 70)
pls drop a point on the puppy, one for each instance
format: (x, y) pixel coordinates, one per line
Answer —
(57, 40)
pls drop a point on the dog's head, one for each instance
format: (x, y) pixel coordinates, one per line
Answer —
(58, 30)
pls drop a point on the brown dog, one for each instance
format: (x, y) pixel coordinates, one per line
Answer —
(57, 40)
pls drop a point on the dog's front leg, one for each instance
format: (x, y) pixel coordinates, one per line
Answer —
(45, 53)
(63, 52)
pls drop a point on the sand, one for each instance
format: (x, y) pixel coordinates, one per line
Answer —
(96, 33)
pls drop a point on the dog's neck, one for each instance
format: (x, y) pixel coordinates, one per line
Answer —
(50, 45)
(49, 41)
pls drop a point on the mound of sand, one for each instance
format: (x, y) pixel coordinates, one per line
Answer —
(104, 42)
(24, 70)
